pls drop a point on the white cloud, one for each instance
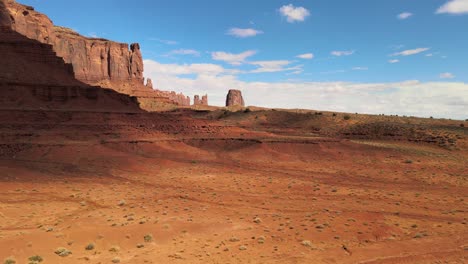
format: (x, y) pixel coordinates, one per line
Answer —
(274, 66)
(429, 55)
(243, 32)
(296, 72)
(231, 58)
(393, 61)
(342, 53)
(294, 14)
(410, 52)
(183, 52)
(306, 56)
(454, 7)
(155, 68)
(404, 15)
(397, 47)
(446, 75)
(438, 99)
(360, 68)
(333, 72)
(165, 41)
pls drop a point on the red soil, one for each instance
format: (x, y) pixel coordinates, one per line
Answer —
(212, 187)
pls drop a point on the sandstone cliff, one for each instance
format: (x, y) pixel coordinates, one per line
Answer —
(33, 77)
(95, 61)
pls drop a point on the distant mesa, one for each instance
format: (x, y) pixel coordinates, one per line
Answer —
(179, 98)
(234, 98)
(203, 101)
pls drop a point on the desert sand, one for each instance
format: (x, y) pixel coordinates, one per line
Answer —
(221, 187)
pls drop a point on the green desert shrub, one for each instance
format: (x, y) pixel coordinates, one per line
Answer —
(35, 259)
(148, 238)
(10, 260)
(62, 252)
(90, 246)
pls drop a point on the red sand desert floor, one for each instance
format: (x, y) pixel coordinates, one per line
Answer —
(213, 198)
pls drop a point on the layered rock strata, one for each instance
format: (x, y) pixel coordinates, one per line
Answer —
(95, 61)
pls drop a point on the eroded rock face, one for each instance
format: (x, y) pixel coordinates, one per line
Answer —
(234, 98)
(202, 101)
(179, 98)
(95, 61)
(196, 100)
(5, 20)
(136, 62)
(32, 77)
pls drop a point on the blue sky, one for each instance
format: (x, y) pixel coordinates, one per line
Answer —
(256, 46)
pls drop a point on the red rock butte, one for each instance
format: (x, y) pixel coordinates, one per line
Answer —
(95, 61)
(234, 98)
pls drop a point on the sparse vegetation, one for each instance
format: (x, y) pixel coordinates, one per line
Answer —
(35, 259)
(62, 252)
(346, 117)
(261, 240)
(306, 243)
(148, 238)
(10, 260)
(114, 249)
(90, 246)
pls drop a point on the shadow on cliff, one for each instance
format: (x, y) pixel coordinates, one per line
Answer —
(51, 123)
(33, 77)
